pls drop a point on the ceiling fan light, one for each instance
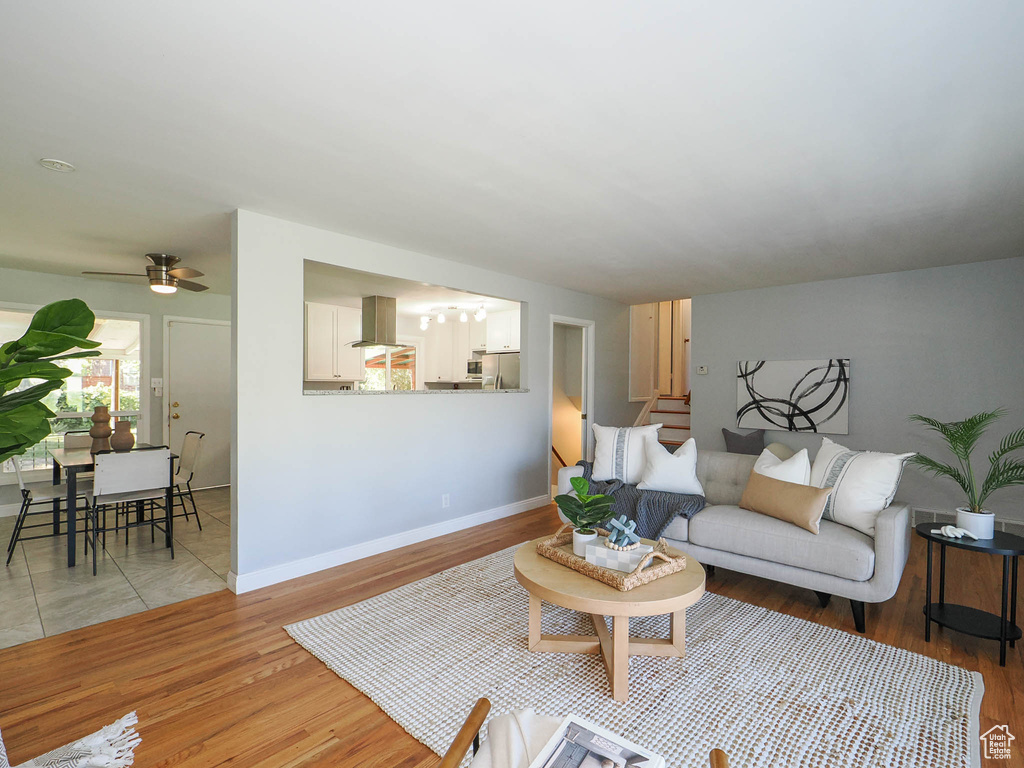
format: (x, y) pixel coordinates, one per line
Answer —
(161, 283)
(479, 315)
(440, 317)
(463, 318)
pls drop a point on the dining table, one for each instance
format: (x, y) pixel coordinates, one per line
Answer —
(74, 461)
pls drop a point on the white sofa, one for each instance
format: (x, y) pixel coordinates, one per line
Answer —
(836, 561)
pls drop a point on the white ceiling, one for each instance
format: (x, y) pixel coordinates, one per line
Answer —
(328, 284)
(636, 150)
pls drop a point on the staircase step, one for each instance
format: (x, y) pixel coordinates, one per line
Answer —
(682, 434)
(670, 418)
(670, 397)
(673, 405)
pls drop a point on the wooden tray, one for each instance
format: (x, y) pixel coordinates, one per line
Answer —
(559, 549)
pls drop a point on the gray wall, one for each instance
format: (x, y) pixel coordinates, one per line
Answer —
(37, 289)
(946, 343)
(316, 474)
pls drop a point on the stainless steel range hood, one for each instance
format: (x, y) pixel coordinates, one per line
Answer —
(379, 322)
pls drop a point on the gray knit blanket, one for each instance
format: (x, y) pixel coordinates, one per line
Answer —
(652, 510)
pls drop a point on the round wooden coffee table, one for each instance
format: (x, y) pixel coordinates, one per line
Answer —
(548, 581)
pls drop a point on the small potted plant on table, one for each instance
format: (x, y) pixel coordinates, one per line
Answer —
(584, 511)
(961, 437)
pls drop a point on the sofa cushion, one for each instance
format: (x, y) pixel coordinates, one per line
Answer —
(751, 443)
(795, 469)
(798, 504)
(863, 483)
(621, 452)
(836, 549)
(723, 476)
(678, 529)
(671, 472)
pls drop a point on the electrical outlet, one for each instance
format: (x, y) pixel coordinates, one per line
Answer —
(702, 370)
(445, 501)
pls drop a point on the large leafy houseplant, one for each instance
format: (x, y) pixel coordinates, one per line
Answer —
(961, 437)
(55, 329)
(584, 510)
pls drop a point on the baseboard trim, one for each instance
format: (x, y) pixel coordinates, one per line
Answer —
(247, 582)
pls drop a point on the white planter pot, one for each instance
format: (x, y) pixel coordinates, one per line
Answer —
(580, 541)
(980, 524)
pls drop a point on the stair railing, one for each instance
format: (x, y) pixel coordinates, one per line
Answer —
(645, 412)
(558, 456)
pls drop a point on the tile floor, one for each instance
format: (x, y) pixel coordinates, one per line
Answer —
(41, 596)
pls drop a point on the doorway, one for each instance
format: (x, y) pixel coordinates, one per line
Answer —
(570, 394)
(197, 369)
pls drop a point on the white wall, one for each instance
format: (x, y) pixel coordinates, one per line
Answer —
(37, 289)
(315, 475)
(943, 342)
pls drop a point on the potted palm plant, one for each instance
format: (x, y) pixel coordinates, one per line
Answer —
(1004, 470)
(584, 510)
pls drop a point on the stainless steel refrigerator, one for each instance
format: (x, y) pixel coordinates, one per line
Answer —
(501, 371)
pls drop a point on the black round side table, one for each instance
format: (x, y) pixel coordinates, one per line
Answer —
(961, 618)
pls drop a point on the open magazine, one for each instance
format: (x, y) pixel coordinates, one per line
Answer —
(581, 744)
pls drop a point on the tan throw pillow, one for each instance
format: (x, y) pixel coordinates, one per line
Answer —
(800, 505)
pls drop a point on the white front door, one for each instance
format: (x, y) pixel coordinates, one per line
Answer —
(198, 394)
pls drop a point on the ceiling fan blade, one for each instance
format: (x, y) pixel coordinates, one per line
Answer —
(188, 285)
(184, 272)
(119, 274)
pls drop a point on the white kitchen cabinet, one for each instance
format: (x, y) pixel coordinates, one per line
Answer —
(477, 333)
(351, 361)
(503, 331)
(330, 331)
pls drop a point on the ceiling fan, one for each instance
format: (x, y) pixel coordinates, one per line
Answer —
(163, 276)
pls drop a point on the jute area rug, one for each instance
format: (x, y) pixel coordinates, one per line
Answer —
(769, 689)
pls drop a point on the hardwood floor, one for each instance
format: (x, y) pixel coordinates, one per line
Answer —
(217, 681)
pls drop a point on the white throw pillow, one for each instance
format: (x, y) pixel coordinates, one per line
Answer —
(671, 472)
(864, 483)
(621, 452)
(795, 469)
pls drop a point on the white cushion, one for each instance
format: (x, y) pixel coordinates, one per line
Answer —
(795, 469)
(864, 483)
(621, 452)
(671, 472)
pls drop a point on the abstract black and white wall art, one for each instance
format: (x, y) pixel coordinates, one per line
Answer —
(794, 395)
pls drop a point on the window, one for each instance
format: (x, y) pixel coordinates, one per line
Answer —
(113, 379)
(390, 368)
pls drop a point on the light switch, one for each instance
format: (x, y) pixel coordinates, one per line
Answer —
(702, 370)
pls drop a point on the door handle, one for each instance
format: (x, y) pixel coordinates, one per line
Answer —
(174, 405)
(175, 416)
(583, 416)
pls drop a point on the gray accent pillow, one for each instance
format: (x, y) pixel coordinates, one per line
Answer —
(751, 443)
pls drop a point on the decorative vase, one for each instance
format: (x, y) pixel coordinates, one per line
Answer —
(100, 431)
(122, 439)
(580, 541)
(981, 524)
